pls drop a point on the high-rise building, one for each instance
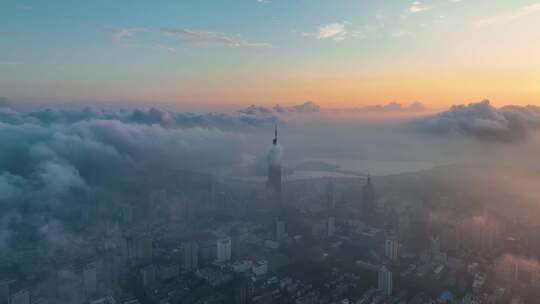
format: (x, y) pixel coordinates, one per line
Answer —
(274, 170)
(148, 276)
(243, 291)
(191, 255)
(385, 280)
(330, 197)
(20, 297)
(224, 248)
(90, 279)
(281, 230)
(391, 249)
(4, 291)
(368, 200)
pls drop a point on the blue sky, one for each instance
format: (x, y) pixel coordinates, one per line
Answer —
(243, 51)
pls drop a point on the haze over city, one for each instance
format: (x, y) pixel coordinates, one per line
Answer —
(269, 151)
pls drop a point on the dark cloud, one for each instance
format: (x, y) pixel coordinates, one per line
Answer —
(483, 121)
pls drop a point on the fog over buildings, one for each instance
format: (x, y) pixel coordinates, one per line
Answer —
(147, 205)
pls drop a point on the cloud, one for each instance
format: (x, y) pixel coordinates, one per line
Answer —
(417, 7)
(310, 108)
(52, 160)
(11, 187)
(390, 107)
(483, 121)
(210, 38)
(130, 36)
(276, 111)
(306, 107)
(509, 17)
(343, 31)
(334, 31)
(256, 110)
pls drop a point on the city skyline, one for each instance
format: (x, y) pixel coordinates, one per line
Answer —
(269, 152)
(223, 54)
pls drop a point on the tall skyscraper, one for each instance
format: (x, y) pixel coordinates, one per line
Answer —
(224, 248)
(274, 170)
(385, 280)
(274, 186)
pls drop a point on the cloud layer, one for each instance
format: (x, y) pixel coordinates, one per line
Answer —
(483, 121)
(52, 160)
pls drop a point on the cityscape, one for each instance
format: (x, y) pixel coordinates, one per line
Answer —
(269, 152)
(185, 237)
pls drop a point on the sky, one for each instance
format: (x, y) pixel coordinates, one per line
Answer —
(226, 53)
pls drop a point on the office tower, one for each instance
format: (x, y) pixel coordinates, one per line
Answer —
(148, 276)
(20, 297)
(385, 281)
(90, 279)
(391, 249)
(223, 252)
(191, 255)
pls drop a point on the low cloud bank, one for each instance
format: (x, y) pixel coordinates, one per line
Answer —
(53, 160)
(390, 107)
(309, 107)
(483, 121)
